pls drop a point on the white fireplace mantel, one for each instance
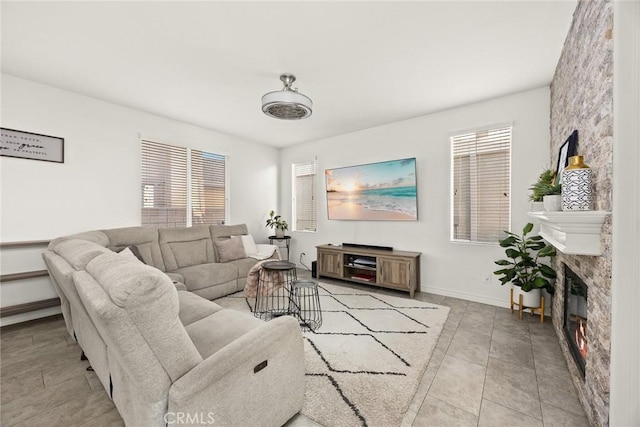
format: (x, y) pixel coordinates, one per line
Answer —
(572, 233)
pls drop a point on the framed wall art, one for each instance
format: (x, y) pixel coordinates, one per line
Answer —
(33, 146)
(374, 191)
(567, 150)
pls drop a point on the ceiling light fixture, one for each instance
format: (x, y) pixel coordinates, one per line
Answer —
(287, 104)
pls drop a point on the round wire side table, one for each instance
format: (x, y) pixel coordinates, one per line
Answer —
(273, 295)
(305, 304)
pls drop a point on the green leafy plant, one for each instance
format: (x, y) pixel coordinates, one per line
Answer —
(523, 268)
(276, 221)
(544, 186)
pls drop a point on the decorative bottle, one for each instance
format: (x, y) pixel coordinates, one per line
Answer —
(576, 186)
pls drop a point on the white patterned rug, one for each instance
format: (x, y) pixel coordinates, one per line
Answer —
(365, 362)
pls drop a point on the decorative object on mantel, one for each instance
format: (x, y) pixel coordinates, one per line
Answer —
(572, 232)
(525, 271)
(552, 202)
(537, 206)
(576, 186)
(545, 186)
(33, 146)
(276, 221)
(567, 149)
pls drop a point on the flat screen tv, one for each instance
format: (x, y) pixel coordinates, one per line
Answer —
(374, 191)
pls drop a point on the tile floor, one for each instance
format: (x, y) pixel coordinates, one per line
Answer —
(488, 369)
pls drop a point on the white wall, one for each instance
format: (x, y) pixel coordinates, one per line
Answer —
(447, 268)
(625, 275)
(98, 185)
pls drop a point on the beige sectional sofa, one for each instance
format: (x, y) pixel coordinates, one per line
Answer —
(162, 351)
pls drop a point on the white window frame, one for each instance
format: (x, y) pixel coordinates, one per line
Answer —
(148, 190)
(312, 162)
(473, 190)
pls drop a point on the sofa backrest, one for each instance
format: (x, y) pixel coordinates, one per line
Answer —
(62, 260)
(78, 253)
(184, 247)
(97, 237)
(145, 239)
(146, 305)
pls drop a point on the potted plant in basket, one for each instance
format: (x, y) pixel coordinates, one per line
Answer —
(544, 190)
(276, 221)
(523, 268)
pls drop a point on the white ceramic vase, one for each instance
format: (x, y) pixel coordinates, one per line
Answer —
(279, 232)
(537, 206)
(529, 299)
(576, 186)
(552, 203)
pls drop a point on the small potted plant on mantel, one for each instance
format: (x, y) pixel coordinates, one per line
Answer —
(523, 268)
(544, 190)
(276, 221)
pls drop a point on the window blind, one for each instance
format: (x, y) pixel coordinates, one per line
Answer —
(304, 196)
(182, 187)
(164, 185)
(481, 164)
(208, 189)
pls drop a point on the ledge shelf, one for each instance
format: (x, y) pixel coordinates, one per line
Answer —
(572, 233)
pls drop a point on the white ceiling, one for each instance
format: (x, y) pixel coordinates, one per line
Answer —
(363, 64)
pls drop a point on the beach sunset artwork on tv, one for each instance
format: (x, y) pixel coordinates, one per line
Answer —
(375, 191)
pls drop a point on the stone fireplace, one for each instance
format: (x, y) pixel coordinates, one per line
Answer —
(575, 317)
(582, 99)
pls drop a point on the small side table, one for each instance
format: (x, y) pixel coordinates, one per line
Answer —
(305, 304)
(286, 239)
(273, 295)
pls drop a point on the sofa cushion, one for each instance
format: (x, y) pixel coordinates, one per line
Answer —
(244, 265)
(229, 249)
(185, 247)
(194, 308)
(176, 277)
(145, 239)
(151, 302)
(207, 275)
(79, 253)
(189, 253)
(219, 329)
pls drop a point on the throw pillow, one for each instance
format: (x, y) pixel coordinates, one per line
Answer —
(132, 253)
(230, 249)
(249, 245)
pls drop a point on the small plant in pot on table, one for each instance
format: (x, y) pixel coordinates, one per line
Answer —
(547, 191)
(523, 269)
(276, 221)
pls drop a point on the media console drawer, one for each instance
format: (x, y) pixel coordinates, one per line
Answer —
(385, 268)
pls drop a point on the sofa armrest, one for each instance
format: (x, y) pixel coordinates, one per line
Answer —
(263, 369)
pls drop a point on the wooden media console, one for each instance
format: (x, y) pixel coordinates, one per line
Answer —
(385, 268)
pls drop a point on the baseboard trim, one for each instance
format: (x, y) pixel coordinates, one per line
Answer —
(478, 298)
(29, 307)
(22, 276)
(468, 297)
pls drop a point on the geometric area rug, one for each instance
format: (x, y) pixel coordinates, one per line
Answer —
(364, 364)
